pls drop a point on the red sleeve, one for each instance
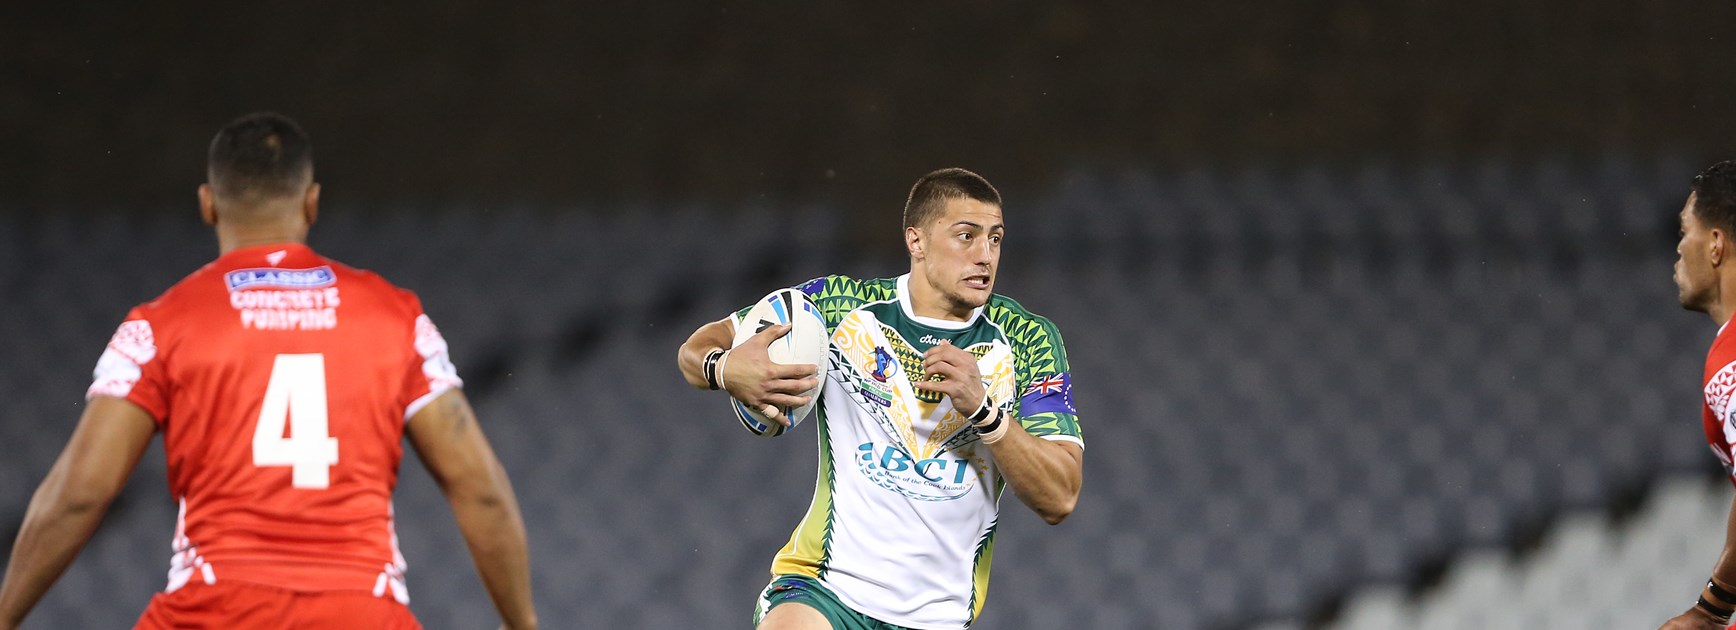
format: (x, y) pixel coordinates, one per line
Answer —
(430, 371)
(131, 367)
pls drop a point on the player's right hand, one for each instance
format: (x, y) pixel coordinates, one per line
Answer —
(758, 382)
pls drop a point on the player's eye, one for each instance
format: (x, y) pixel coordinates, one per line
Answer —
(996, 239)
(964, 236)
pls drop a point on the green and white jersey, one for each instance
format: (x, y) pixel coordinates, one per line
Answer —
(902, 526)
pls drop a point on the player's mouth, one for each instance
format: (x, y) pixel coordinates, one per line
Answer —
(979, 282)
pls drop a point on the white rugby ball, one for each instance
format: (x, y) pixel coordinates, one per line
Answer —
(807, 342)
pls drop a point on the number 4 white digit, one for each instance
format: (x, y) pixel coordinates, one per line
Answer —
(296, 395)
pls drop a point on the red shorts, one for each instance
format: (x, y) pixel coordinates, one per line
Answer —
(244, 605)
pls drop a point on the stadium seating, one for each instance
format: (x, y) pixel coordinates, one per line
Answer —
(1297, 382)
(1590, 572)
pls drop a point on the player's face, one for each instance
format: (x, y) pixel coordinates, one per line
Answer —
(1695, 277)
(962, 249)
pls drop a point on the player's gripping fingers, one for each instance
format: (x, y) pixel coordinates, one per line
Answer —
(948, 371)
(792, 370)
(765, 337)
(947, 387)
(785, 400)
(791, 385)
(946, 354)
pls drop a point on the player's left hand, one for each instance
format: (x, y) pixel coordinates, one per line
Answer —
(959, 378)
(1694, 619)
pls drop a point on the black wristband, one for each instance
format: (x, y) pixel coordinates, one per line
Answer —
(982, 413)
(991, 427)
(1720, 593)
(711, 368)
(1716, 610)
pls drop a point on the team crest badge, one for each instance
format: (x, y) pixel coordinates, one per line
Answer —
(882, 365)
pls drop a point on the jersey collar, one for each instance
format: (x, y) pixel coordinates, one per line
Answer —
(263, 255)
(904, 303)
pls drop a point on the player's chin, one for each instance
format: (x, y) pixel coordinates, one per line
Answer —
(973, 297)
(1691, 300)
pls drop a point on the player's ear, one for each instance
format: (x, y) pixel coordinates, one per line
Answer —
(913, 243)
(207, 204)
(310, 203)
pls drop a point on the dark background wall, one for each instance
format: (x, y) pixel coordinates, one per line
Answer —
(108, 104)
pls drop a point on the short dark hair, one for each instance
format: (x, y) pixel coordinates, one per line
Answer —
(263, 155)
(931, 193)
(1715, 196)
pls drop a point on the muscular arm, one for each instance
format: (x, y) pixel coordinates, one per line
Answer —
(1725, 571)
(452, 446)
(1046, 475)
(110, 438)
(691, 357)
(752, 377)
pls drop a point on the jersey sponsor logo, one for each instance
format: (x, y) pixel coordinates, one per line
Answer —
(930, 340)
(281, 278)
(943, 477)
(304, 309)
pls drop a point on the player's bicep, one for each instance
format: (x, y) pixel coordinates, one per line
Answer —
(449, 441)
(1074, 451)
(111, 436)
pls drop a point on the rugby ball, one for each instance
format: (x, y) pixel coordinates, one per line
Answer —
(807, 342)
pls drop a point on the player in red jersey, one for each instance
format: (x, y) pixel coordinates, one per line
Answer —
(283, 384)
(1706, 282)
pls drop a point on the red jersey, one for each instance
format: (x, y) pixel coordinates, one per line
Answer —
(1716, 414)
(281, 382)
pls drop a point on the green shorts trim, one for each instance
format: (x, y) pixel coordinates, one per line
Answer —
(786, 589)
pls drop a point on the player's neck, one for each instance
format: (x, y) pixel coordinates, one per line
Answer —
(1722, 308)
(233, 237)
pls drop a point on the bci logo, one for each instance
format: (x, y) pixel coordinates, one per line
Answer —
(940, 478)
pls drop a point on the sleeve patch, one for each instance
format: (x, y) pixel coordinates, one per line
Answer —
(121, 364)
(436, 358)
(135, 341)
(1052, 393)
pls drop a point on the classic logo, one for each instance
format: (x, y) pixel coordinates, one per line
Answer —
(943, 477)
(282, 278)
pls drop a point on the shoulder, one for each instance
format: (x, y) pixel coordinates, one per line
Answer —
(1016, 320)
(179, 296)
(371, 283)
(838, 296)
(1035, 340)
(846, 287)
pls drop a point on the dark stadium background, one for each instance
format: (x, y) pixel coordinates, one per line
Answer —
(1350, 288)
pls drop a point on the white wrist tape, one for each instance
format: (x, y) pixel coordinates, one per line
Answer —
(995, 428)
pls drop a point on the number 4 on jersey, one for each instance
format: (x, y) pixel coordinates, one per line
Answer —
(296, 396)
